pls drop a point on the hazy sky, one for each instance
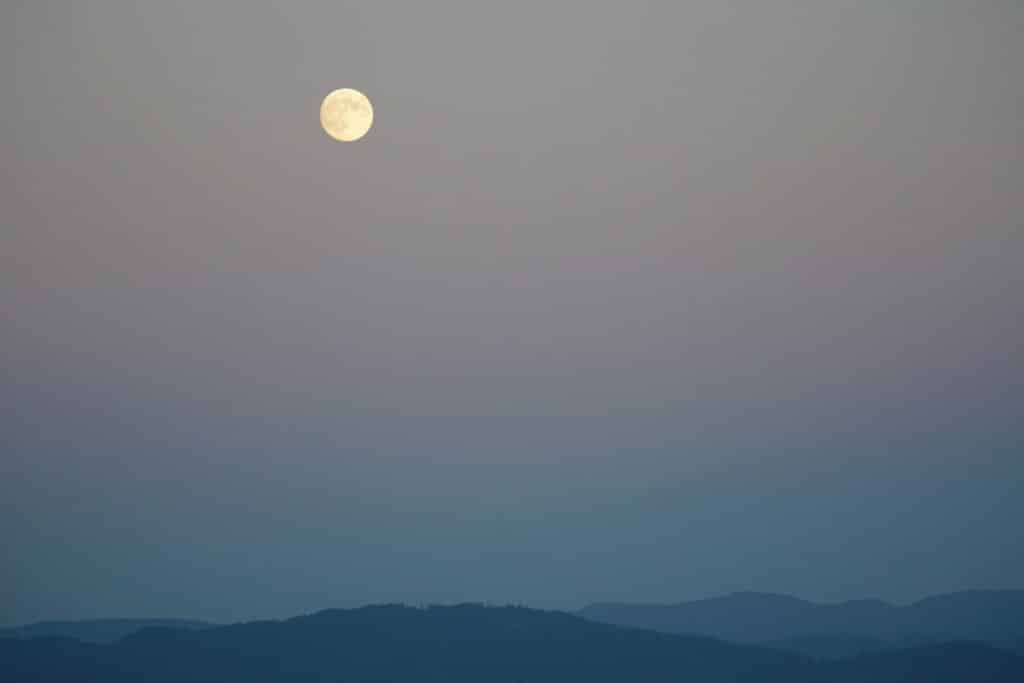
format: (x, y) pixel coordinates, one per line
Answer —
(617, 301)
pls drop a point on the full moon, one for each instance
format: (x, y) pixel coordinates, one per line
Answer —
(346, 114)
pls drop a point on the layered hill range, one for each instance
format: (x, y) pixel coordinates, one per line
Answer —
(98, 630)
(832, 630)
(469, 643)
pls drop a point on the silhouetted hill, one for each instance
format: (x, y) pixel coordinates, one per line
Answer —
(832, 646)
(96, 630)
(464, 644)
(961, 661)
(757, 617)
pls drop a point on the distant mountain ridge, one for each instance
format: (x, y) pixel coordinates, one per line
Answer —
(990, 616)
(97, 630)
(464, 644)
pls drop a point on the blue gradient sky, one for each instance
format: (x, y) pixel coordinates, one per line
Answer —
(617, 301)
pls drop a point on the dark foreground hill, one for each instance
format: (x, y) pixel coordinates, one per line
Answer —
(991, 616)
(97, 630)
(464, 644)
